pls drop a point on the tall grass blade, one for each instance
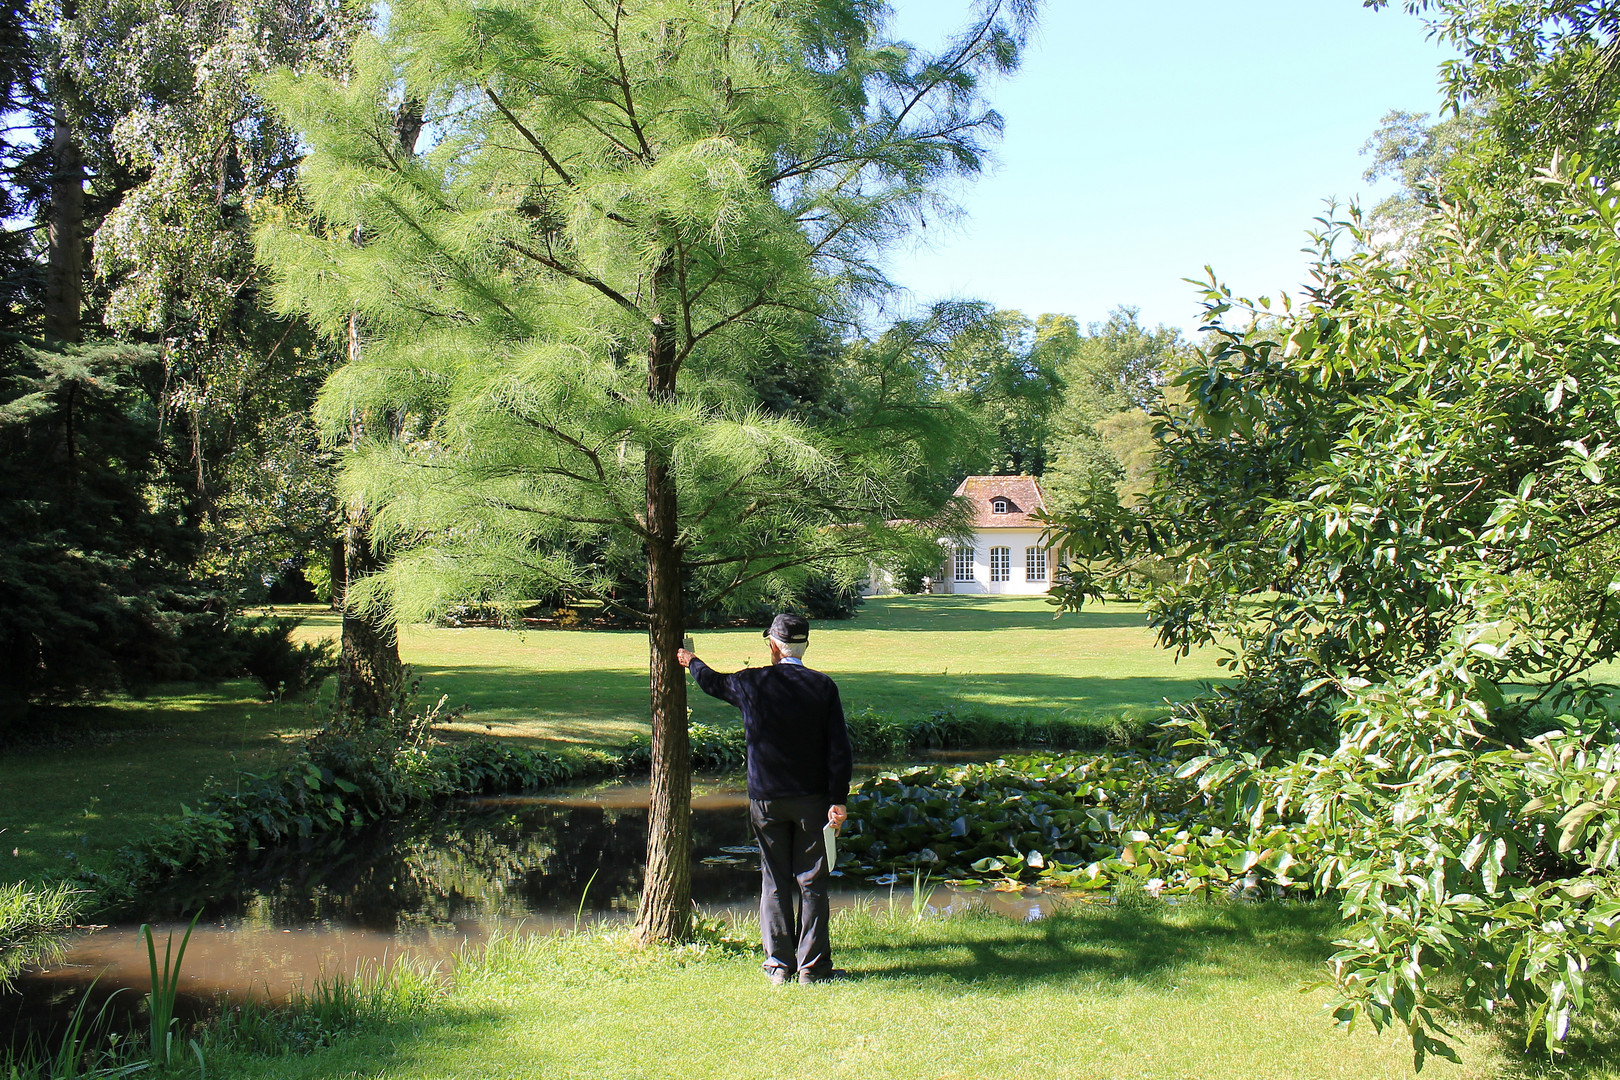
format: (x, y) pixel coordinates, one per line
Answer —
(921, 894)
(165, 988)
(71, 1053)
(580, 914)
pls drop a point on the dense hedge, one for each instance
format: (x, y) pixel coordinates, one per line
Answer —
(876, 736)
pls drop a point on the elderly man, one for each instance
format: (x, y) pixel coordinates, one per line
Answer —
(798, 781)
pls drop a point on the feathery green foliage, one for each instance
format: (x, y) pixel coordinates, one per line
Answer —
(734, 187)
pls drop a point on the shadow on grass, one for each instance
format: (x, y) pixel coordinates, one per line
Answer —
(1592, 1050)
(1092, 943)
(937, 614)
(501, 696)
(294, 1044)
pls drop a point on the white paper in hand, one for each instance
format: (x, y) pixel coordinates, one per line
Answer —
(829, 836)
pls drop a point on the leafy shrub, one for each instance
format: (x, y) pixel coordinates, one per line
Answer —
(286, 668)
(260, 646)
(825, 597)
(1469, 873)
(874, 735)
(713, 750)
(1279, 701)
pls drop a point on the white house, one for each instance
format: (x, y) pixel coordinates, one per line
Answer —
(1004, 554)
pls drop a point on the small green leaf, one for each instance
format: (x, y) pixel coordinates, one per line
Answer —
(1573, 825)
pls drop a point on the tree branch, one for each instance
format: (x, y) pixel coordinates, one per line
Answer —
(578, 275)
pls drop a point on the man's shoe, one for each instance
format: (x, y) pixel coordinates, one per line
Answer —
(808, 977)
(779, 976)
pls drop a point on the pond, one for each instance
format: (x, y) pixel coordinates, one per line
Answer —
(421, 889)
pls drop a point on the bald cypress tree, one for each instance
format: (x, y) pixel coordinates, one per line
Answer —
(618, 210)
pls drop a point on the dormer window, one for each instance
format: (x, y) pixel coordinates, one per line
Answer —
(998, 506)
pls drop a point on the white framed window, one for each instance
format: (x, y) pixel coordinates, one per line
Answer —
(964, 564)
(1035, 564)
(1000, 564)
(998, 506)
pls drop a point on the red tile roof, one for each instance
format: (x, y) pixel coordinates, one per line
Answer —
(1023, 494)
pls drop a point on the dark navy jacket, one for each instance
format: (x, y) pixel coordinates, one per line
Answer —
(794, 720)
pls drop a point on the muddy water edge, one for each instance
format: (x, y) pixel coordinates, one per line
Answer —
(421, 889)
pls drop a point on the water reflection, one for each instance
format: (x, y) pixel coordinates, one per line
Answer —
(423, 890)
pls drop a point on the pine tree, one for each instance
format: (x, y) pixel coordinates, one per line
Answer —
(566, 299)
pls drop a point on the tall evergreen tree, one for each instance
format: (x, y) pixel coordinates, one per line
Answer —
(564, 300)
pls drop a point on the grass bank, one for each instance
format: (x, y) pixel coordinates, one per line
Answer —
(1195, 991)
(127, 767)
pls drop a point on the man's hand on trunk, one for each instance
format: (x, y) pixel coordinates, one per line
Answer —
(685, 658)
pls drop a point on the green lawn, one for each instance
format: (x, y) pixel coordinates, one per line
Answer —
(1196, 992)
(901, 655)
(138, 762)
(906, 656)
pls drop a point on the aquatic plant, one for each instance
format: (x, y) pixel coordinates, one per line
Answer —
(165, 988)
(1083, 821)
(85, 1052)
(33, 919)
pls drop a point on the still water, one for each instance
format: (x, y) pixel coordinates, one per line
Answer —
(424, 890)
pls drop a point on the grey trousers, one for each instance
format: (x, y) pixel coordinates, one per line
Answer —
(793, 883)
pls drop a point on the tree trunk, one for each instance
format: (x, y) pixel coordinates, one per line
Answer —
(64, 274)
(370, 674)
(369, 671)
(337, 558)
(666, 894)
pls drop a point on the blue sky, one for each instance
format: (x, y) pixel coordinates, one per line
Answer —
(1145, 140)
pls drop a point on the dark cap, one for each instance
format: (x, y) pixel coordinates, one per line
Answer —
(789, 628)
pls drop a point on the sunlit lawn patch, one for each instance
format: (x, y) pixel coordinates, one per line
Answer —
(904, 655)
(1096, 992)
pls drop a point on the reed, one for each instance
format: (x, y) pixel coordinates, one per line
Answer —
(165, 988)
(86, 1051)
(583, 893)
(921, 893)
